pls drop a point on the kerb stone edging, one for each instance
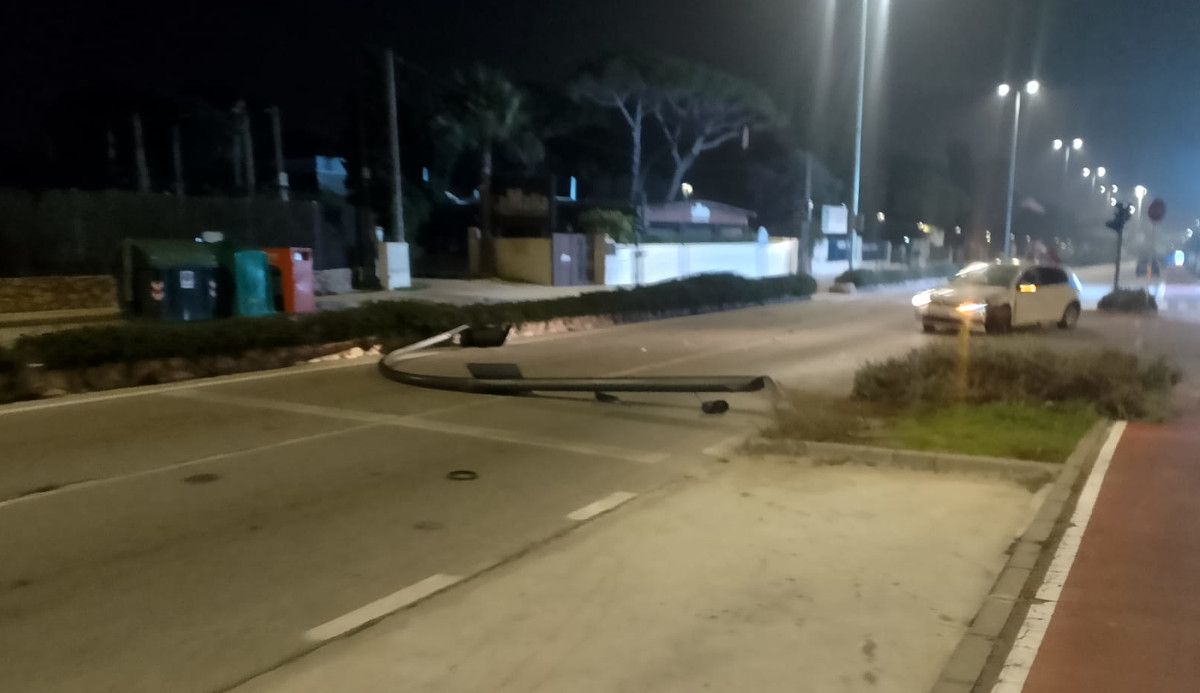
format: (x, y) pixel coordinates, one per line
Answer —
(1022, 574)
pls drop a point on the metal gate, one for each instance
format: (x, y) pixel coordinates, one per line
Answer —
(571, 259)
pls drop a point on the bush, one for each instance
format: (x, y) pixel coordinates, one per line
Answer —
(1115, 382)
(1129, 301)
(617, 224)
(387, 320)
(875, 277)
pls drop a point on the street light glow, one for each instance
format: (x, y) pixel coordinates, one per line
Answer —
(1077, 143)
(1087, 172)
(1003, 90)
(1103, 190)
(1139, 192)
(1100, 171)
(1115, 189)
(1057, 144)
(881, 217)
(1032, 87)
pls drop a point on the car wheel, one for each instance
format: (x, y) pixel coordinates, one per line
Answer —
(928, 327)
(998, 320)
(1070, 317)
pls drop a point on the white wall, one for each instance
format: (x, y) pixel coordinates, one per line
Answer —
(658, 262)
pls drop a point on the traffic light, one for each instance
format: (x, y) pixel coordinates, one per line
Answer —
(1121, 215)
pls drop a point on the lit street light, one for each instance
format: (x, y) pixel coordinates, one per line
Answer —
(880, 217)
(1060, 146)
(1032, 87)
(1087, 172)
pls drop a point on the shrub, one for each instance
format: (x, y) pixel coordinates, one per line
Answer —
(618, 225)
(387, 320)
(875, 277)
(1116, 382)
(1129, 301)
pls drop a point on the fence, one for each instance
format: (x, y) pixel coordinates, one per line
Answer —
(625, 265)
(73, 232)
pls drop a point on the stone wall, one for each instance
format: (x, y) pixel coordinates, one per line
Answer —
(36, 294)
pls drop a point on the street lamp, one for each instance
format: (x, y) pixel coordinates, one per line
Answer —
(1061, 146)
(1139, 192)
(1032, 87)
(880, 217)
(858, 127)
(1087, 172)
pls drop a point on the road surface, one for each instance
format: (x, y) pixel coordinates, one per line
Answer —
(188, 537)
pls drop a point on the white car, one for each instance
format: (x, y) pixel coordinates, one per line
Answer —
(1000, 296)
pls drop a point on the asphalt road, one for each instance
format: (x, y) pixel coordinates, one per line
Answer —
(187, 537)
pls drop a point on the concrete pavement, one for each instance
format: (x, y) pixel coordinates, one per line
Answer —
(186, 537)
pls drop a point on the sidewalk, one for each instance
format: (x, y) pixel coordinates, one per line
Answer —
(1128, 617)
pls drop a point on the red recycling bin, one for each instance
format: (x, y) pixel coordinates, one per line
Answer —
(295, 267)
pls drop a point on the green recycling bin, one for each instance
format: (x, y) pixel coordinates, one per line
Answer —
(246, 280)
(170, 280)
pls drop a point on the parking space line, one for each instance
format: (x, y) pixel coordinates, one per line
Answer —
(605, 504)
(93, 483)
(417, 422)
(382, 607)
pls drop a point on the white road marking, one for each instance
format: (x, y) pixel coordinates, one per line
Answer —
(1029, 638)
(417, 422)
(93, 483)
(603, 505)
(382, 607)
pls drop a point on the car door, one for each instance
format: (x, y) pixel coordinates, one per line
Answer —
(1028, 308)
(1057, 290)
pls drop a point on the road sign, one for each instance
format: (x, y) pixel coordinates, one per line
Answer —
(1158, 210)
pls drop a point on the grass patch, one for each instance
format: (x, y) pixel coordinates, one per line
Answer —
(1015, 430)
(1041, 433)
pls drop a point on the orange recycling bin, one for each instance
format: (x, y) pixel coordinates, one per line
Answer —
(295, 289)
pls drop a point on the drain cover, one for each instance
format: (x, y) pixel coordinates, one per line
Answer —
(462, 475)
(205, 478)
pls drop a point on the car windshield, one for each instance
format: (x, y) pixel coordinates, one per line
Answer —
(987, 275)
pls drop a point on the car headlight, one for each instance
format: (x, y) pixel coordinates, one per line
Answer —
(971, 308)
(922, 299)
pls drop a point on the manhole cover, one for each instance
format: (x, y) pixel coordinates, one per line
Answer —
(205, 478)
(462, 475)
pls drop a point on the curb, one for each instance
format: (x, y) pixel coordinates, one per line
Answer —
(1020, 577)
(1032, 475)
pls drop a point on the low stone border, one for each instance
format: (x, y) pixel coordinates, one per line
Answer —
(1032, 475)
(1004, 608)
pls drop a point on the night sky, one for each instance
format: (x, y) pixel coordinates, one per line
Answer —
(1122, 74)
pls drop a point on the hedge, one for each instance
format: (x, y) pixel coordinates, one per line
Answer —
(875, 277)
(1117, 383)
(387, 320)
(1129, 301)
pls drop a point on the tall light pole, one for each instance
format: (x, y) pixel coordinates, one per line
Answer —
(1031, 88)
(858, 128)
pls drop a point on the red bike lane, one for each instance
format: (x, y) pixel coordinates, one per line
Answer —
(1128, 618)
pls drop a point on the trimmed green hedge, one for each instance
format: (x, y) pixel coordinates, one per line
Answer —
(387, 320)
(1117, 383)
(1129, 301)
(875, 277)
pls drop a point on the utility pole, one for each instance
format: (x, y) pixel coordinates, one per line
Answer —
(236, 149)
(113, 168)
(139, 154)
(247, 146)
(806, 230)
(281, 178)
(858, 128)
(393, 117)
(177, 160)
(1012, 176)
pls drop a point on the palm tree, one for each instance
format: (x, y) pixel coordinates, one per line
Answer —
(484, 112)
